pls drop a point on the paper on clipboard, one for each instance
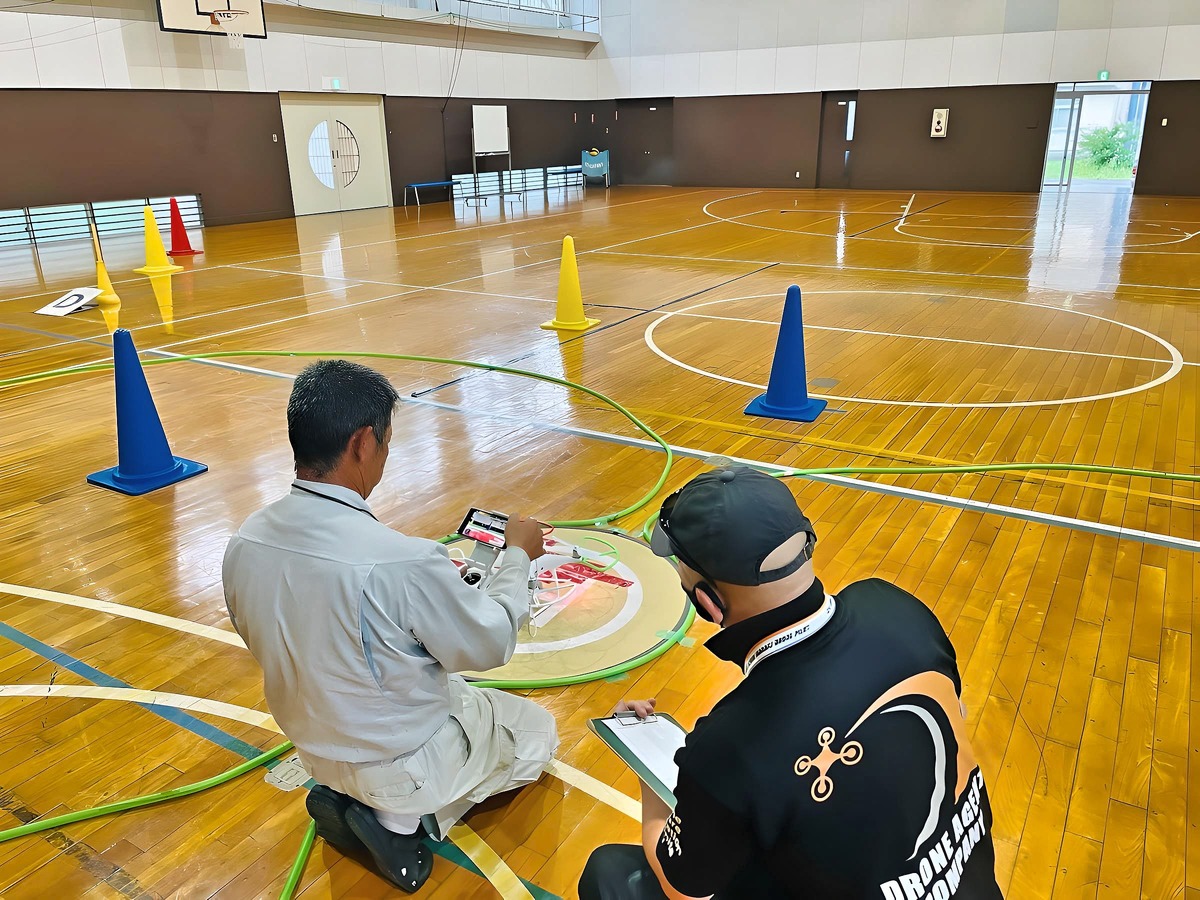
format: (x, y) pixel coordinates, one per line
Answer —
(648, 747)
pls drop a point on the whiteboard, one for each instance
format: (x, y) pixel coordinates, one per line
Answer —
(491, 129)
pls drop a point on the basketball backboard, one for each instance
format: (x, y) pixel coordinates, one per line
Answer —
(213, 17)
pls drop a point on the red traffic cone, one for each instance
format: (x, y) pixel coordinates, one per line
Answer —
(180, 245)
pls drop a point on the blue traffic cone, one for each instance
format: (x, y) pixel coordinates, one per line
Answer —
(787, 391)
(144, 460)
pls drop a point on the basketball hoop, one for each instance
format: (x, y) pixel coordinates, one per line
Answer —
(226, 20)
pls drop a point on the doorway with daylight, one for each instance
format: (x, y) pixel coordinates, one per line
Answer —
(1095, 136)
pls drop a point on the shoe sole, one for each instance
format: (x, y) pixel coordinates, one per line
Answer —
(408, 873)
(328, 810)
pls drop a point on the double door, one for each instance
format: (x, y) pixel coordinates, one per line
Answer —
(337, 152)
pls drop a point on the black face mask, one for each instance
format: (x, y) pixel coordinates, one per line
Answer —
(712, 594)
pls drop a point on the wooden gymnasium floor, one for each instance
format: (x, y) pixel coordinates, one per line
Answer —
(951, 327)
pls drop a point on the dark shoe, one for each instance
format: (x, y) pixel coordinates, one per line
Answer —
(328, 809)
(401, 858)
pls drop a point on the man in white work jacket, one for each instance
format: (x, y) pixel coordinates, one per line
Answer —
(359, 629)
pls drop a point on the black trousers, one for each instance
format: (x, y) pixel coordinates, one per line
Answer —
(619, 872)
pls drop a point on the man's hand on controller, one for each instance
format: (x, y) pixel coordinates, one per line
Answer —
(525, 533)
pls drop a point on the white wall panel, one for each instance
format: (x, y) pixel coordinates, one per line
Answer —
(927, 62)
(681, 75)
(1079, 55)
(489, 73)
(799, 23)
(1181, 56)
(187, 61)
(758, 25)
(364, 67)
(885, 20)
(1141, 13)
(1136, 54)
(1074, 14)
(976, 59)
(881, 64)
(516, 75)
(1026, 58)
(648, 74)
(837, 67)
(841, 22)
(325, 58)
(18, 67)
(796, 70)
(756, 71)
(649, 48)
(284, 65)
(718, 72)
(66, 51)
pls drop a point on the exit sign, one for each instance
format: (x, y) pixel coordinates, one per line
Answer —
(1102, 75)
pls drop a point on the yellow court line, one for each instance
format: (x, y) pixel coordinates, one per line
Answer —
(497, 872)
(494, 869)
(605, 793)
(908, 456)
(127, 612)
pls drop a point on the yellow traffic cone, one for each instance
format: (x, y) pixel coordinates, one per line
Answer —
(166, 304)
(156, 254)
(99, 257)
(108, 301)
(568, 315)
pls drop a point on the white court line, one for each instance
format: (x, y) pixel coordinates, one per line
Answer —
(405, 293)
(210, 313)
(1156, 538)
(926, 337)
(861, 484)
(128, 612)
(403, 284)
(928, 239)
(1175, 368)
(465, 229)
(784, 263)
(598, 790)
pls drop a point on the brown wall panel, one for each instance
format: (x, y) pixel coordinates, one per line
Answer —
(1168, 161)
(416, 151)
(542, 133)
(996, 139)
(747, 141)
(427, 144)
(79, 145)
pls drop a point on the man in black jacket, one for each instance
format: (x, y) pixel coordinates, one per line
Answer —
(840, 766)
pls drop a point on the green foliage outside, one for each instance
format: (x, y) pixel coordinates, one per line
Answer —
(1103, 153)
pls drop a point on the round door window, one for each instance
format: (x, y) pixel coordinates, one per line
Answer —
(337, 161)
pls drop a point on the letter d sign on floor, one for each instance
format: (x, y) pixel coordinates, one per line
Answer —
(72, 301)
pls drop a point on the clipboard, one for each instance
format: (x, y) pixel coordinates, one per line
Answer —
(647, 746)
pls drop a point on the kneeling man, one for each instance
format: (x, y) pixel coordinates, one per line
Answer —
(359, 629)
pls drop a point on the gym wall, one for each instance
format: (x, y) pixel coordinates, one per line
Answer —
(1168, 161)
(752, 141)
(995, 139)
(119, 145)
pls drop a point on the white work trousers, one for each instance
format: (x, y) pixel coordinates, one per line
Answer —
(497, 743)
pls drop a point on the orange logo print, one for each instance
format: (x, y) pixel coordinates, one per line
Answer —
(822, 787)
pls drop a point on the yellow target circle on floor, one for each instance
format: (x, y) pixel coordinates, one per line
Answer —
(596, 612)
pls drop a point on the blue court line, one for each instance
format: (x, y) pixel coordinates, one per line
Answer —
(83, 670)
(211, 733)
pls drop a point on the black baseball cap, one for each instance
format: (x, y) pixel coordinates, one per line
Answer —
(727, 522)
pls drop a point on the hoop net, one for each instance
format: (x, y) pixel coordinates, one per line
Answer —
(227, 21)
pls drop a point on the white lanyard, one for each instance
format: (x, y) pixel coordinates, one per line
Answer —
(793, 634)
